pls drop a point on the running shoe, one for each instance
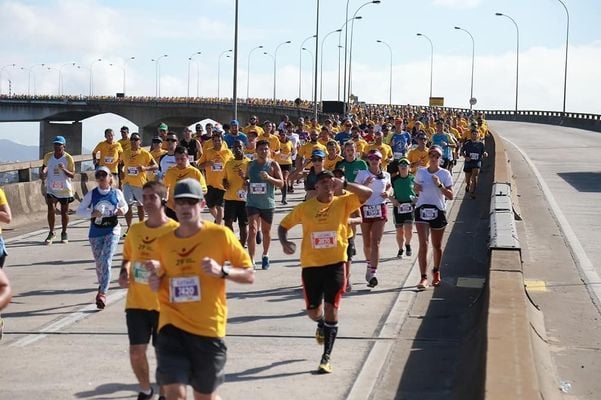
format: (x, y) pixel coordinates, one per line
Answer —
(144, 396)
(100, 301)
(259, 237)
(319, 335)
(399, 254)
(284, 202)
(265, 262)
(371, 279)
(64, 237)
(423, 283)
(325, 367)
(49, 238)
(436, 278)
(408, 250)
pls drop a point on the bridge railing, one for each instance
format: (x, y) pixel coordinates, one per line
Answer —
(28, 171)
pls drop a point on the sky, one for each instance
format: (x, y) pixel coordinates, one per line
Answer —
(60, 32)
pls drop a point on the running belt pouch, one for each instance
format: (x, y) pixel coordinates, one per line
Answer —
(107, 222)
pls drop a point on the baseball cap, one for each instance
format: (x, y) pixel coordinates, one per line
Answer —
(134, 135)
(436, 149)
(103, 169)
(318, 153)
(157, 139)
(235, 122)
(324, 175)
(198, 127)
(59, 140)
(403, 161)
(375, 153)
(163, 127)
(188, 188)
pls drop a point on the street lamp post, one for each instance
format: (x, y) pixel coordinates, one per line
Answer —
(312, 60)
(30, 69)
(300, 65)
(473, 59)
(340, 48)
(315, 61)
(275, 62)
(219, 70)
(248, 71)
(390, 78)
(92, 73)
(157, 75)
(347, 92)
(565, 71)
(2, 69)
(431, 59)
(321, 64)
(60, 77)
(517, 57)
(189, 61)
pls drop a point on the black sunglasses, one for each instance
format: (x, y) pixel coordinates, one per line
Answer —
(100, 175)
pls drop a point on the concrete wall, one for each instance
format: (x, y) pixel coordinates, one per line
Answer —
(72, 133)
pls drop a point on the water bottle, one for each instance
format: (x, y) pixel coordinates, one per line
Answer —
(98, 220)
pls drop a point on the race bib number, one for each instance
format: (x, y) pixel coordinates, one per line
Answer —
(428, 214)
(474, 156)
(258, 188)
(405, 208)
(323, 240)
(191, 158)
(108, 160)
(140, 273)
(241, 194)
(57, 185)
(217, 167)
(284, 157)
(132, 171)
(184, 289)
(372, 211)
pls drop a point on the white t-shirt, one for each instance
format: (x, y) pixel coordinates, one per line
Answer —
(57, 182)
(430, 193)
(378, 186)
(293, 137)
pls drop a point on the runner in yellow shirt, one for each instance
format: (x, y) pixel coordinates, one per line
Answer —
(234, 198)
(383, 148)
(181, 170)
(324, 219)
(125, 145)
(284, 159)
(418, 157)
(194, 263)
(156, 151)
(108, 153)
(333, 156)
(142, 304)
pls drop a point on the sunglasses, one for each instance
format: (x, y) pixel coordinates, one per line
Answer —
(434, 155)
(372, 158)
(186, 201)
(101, 175)
(317, 159)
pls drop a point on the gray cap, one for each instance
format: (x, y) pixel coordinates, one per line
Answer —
(188, 188)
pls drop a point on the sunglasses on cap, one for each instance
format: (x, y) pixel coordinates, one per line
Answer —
(100, 175)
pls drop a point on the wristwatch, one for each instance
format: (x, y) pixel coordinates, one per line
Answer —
(225, 271)
(440, 186)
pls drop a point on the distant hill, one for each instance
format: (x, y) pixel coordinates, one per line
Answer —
(12, 152)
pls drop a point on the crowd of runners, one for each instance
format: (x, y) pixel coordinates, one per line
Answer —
(369, 167)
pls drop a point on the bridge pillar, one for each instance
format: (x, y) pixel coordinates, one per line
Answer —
(71, 132)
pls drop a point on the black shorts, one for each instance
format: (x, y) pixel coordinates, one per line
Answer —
(431, 215)
(470, 165)
(325, 283)
(285, 167)
(62, 200)
(446, 163)
(141, 325)
(265, 214)
(235, 210)
(402, 218)
(214, 197)
(185, 358)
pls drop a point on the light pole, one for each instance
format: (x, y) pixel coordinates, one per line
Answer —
(157, 76)
(340, 48)
(30, 69)
(189, 61)
(300, 65)
(312, 60)
(248, 71)
(2, 69)
(390, 78)
(517, 57)
(347, 92)
(565, 71)
(321, 64)
(123, 68)
(235, 72)
(60, 77)
(92, 73)
(275, 62)
(473, 58)
(219, 70)
(316, 57)
(431, 59)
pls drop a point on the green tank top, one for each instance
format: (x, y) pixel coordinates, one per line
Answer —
(261, 194)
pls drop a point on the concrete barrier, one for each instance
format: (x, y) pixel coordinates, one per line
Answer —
(518, 365)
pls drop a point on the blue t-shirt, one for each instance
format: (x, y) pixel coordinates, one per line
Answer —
(442, 139)
(342, 137)
(230, 138)
(399, 142)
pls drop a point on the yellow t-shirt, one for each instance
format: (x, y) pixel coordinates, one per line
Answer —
(156, 154)
(190, 300)
(237, 188)
(255, 128)
(140, 245)
(418, 158)
(109, 155)
(331, 164)
(360, 145)
(307, 148)
(125, 144)
(176, 174)
(383, 148)
(131, 161)
(3, 201)
(209, 145)
(274, 142)
(325, 232)
(215, 172)
(285, 156)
